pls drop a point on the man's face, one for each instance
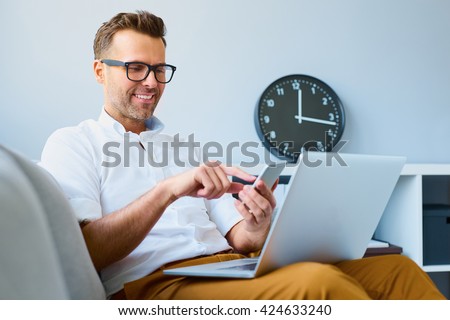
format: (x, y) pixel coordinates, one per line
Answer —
(131, 103)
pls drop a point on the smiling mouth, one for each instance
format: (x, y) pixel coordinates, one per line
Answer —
(144, 96)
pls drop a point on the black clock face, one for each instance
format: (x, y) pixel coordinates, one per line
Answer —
(296, 113)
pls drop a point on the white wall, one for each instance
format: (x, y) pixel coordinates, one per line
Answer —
(389, 61)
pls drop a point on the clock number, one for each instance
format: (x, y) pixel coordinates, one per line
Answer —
(273, 135)
(313, 90)
(266, 119)
(320, 146)
(331, 116)
(270, 103)
(295, 86)
(280, 91)
(324, 101)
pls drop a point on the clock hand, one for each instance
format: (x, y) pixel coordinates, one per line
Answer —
(331, 123)
(299, 106)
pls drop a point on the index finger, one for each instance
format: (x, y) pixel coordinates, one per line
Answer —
(239, 173)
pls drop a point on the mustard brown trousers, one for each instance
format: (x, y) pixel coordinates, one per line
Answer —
(381, 277)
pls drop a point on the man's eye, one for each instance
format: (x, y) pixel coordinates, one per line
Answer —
(161, 69)
(137, 67)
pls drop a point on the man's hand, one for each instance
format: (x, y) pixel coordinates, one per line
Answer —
(256, 205)
(209, 181)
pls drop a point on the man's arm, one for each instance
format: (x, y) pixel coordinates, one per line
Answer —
(116, 235)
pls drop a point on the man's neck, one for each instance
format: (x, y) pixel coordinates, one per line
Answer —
(134, 126)
(130, 125)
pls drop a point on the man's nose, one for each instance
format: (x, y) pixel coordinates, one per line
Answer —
(150, 81)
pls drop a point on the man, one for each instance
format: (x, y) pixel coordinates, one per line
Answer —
(138, 217)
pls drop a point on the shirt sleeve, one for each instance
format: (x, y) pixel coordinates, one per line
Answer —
(69, 156)
(223, 213)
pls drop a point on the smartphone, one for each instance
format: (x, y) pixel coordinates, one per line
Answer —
(270, 174)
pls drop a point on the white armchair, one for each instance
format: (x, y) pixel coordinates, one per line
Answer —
(42, 251)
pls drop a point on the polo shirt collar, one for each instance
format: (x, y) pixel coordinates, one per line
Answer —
(153, 125)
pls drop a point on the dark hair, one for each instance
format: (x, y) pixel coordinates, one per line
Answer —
(141, 21)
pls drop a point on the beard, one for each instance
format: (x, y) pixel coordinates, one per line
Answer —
(128, 106)
(139, 113)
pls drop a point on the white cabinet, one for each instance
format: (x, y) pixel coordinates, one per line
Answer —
(402, 221)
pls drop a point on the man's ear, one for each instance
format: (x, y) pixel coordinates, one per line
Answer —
(99, 71)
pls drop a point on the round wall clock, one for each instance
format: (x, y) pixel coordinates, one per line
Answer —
(296, 113)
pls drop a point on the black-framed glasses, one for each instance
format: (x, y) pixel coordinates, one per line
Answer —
(139, 71)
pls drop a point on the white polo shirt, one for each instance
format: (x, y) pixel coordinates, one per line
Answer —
(102, 168)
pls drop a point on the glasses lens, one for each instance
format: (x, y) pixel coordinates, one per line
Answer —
(163, 73)
(137, 71)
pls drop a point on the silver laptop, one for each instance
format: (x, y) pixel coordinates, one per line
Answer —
(332, 206)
